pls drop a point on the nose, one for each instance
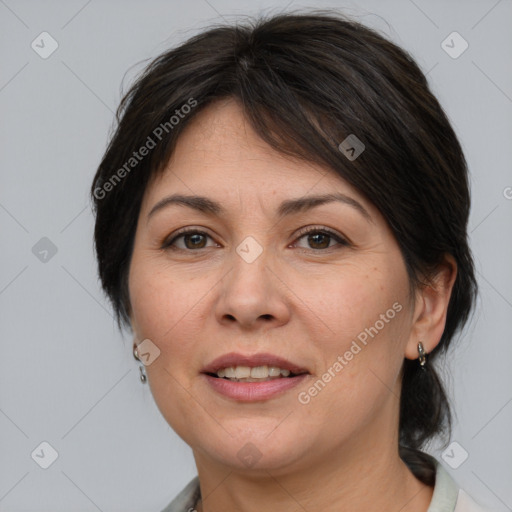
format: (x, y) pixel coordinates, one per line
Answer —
(252, 294)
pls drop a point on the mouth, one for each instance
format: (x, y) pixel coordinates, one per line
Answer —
(251, 378)
(241, 373)
(253, 368)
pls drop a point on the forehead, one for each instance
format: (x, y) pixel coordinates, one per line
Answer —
(219, 155)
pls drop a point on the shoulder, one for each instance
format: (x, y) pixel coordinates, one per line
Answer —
(449, 497)
(465, 503)
(185, 501)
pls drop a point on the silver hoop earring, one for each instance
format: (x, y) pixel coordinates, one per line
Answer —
(142, 372)
(422, 356)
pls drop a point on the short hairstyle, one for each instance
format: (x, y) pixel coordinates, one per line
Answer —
(306, 82)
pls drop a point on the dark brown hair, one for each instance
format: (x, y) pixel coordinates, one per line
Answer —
(306, 82)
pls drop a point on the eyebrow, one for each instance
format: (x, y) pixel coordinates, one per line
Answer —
(286, 208)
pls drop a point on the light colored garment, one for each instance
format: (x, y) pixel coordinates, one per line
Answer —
(447, 496)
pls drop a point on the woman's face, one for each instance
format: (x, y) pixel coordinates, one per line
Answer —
(253, 286)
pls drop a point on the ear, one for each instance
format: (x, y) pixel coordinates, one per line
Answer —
(431, 308)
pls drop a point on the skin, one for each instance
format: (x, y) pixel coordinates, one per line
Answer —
(305, 299)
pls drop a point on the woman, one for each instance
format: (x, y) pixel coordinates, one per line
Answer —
(281, 221)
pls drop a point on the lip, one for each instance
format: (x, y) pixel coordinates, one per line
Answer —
(234, 359)
(253, 391)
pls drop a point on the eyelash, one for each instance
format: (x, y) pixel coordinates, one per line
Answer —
(168, 244)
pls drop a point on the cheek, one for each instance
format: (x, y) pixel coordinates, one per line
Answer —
(160, 296)
(365, 310)
(354, 298)
(168, 307)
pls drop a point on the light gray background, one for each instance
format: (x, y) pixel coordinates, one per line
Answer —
(67, 376)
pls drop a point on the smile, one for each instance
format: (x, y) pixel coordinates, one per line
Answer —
(255, 374)
(252, 378)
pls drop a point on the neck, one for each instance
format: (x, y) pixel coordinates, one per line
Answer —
(375, 482)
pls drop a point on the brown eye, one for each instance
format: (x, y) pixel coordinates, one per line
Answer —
(192, 240)
(320, 239)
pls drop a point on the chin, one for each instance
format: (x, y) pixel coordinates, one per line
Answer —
(254, 451)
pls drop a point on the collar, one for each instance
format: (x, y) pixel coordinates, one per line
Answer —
(445, 491)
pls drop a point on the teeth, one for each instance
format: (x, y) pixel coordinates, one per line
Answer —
(274, 371)
(229, 372)
(242, 372)
(258, 372)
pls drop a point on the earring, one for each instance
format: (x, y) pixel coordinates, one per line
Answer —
(142, 372)
(422, 356)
